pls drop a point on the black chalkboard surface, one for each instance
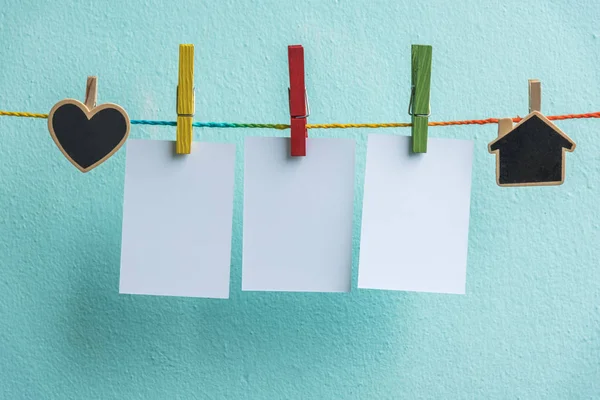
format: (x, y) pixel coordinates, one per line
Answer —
(88, 137)
(532, 153)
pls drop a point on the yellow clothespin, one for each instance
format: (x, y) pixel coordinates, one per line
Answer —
(185, 99)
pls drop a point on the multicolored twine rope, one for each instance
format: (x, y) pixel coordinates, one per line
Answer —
(317, 126)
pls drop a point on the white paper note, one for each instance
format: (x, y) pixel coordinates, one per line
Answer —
(298, 216)
(177, 219)
(415, 219)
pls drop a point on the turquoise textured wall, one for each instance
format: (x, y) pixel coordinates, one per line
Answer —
(529, 325)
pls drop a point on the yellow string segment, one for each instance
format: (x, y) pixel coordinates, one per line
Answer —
(323, 126)
(22, 114)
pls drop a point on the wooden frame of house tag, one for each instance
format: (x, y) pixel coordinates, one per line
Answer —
(87, 134)
(532, 152)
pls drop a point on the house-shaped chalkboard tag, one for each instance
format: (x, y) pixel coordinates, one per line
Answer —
(532, 153)
(85, 133)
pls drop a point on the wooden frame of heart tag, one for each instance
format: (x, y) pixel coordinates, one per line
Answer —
(89, 108)
(505, 126)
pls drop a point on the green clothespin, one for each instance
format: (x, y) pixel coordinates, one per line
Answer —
(419, 97)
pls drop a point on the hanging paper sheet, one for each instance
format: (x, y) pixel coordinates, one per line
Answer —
(177, 219)
(298, 215)
(415, 220)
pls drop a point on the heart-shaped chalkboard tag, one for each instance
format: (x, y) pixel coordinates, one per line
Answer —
(88, 136)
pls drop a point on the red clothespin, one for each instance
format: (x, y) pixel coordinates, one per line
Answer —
(299, 109)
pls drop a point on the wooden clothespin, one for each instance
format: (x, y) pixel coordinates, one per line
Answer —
(299, 109)
(91, 92)
(535, 95)
(505, 125)
(419, 98)
(185, 99)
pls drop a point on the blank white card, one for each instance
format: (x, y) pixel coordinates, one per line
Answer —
(298, 215)
(177, 219)
(415, 220)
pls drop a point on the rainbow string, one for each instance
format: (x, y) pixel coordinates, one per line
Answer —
(315, 126)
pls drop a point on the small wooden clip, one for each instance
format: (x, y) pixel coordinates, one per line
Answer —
(185, 99)
(91, 92)
(298, 102)
(419, 99)
(535, 95)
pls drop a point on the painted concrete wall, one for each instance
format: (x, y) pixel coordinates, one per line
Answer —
(528, 327)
